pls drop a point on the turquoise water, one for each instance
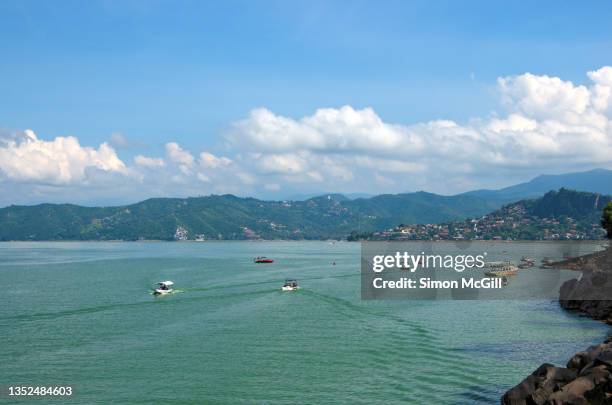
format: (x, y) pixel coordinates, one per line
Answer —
(81, 314)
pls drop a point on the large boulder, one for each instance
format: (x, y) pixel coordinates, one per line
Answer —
(586, 380)
(581, 359)
(536, 388)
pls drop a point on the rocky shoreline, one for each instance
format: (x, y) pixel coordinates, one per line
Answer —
(587, 377)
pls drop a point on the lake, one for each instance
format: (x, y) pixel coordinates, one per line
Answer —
(82, 314)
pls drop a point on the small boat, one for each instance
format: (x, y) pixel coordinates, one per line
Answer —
(163, 287)
(290, 285)
(501, 269)
(262, 259)
(547, 261)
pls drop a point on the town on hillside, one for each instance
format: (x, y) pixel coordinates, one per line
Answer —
(512, 222)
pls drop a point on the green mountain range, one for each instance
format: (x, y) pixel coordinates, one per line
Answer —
(231, 217)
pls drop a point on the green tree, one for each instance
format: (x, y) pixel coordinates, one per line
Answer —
(606, 219)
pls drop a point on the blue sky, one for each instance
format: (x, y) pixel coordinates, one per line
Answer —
(185, 71)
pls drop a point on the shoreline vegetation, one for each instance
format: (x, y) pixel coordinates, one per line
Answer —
(587, 376)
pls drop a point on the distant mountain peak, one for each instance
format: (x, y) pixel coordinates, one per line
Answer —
(595, 181)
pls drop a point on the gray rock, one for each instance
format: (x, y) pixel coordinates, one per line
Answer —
(537, 388)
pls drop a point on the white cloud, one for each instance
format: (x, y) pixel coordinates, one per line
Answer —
(549, 125)
(208, 160)
(543, 96)
(389, 165)
(602, 90)
(60, 161)
(328, 130)
(180, 157)
(289, 163)
(149, 162)
(552, 125)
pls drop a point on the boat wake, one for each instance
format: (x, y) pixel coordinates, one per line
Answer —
(174, 291)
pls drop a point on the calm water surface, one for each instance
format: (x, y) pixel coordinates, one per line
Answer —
(81, 314)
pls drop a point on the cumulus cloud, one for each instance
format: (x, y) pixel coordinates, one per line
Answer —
(60, 161)
(208, 160)
(543, 96)
(180, 157)
(602, 90)
(178, 154)
(328, 130)
(548, 125)
(288, 163)
(551, 125)
(149, 162)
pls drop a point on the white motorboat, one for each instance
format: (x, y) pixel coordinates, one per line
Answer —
(290, 285)
(163, 287)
